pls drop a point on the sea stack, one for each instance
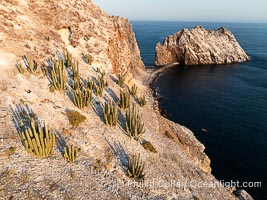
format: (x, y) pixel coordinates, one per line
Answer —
(200, 47)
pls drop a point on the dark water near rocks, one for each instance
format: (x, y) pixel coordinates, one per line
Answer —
(230, 102)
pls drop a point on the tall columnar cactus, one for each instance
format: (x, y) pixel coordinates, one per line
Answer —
(71, 153)
(142, 101)
(58, 75)
(133, 90)
(67, 58)
(99, 91)
(82, 97)
(134, 124)
(136, 168)
(31, 64)
(102, 82)
(76, 81)
(110, 112)
(124, 99)
(38, 141)
(121, 80)
(90, 84)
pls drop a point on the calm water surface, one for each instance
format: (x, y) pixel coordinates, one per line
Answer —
(229, 101)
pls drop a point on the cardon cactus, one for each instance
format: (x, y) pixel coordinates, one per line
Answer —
(76, 81)
(67, 58)
(134, 124)
(38, 141)
(121, 80)
(110, 112)
(124, 99)
(82, 97)
(142, 101)
(31, 64)
(58, 75)
(136, 168)
(71, 153)
(133, 90)
(90, 84)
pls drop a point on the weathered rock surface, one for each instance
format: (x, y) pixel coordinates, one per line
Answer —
(199, 47)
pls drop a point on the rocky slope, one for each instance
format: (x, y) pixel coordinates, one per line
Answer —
(199, 47)
(42, 28)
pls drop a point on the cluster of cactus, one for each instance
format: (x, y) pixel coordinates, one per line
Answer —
(67, 58)
(133, 90)
(20, 68)
(90, 84)
(31, 64)
(58, 76)
(124, 99)
(110, 112)
(102, 82)
(82, 97)
(76, 81)
(142, 101)
(87, 58)
(99, 90)
(71, 153)
(121, 80)
(136, 168)
(38, 141)
(134, 124)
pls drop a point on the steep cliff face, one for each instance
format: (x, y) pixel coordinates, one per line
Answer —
(40, 28)
(199, 46)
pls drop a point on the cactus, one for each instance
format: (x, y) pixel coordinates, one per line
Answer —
(124, 99)
(87, 58)
(142, 101)
(76, 81)
(58, 76)
(99, 91)
(90, 84)
(20, 68)
(121, 80)
(101, 81)
(110, 112)
(67, 58)
(133, 90)
(82, 97)
(97, 70)
(38, 141)
(71, 153)
(30, 64)
(134, 124)
(136, 168)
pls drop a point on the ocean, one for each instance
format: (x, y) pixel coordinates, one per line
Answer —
(229, 101)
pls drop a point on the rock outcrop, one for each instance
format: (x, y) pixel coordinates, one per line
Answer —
(199, 47)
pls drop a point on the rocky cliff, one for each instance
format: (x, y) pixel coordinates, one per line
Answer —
(199, 47)
(40, 28)
(178, 168)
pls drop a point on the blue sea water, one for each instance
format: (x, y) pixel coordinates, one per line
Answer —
(229, 101)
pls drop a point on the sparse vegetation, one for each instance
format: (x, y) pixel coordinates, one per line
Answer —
(110, 112)
(30, 64)
(82, 97)
(39, 141)
(149, 146)
(136, 168)
(71, 153)
(67, 58)
(58, 76)
(87, 58)
(133, 90)
(20, 68)
(134, 124)
(124, 99)
(121, 80)
(142, 101)
(75, 118)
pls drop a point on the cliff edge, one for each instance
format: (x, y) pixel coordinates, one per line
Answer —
(200, 47)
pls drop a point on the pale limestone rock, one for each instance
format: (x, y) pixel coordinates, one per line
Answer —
(199, 46)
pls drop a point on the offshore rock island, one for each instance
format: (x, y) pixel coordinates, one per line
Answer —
(200, 47)
(67, 64)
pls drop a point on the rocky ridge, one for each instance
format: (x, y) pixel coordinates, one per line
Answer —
(200, 47)
(42, 28)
